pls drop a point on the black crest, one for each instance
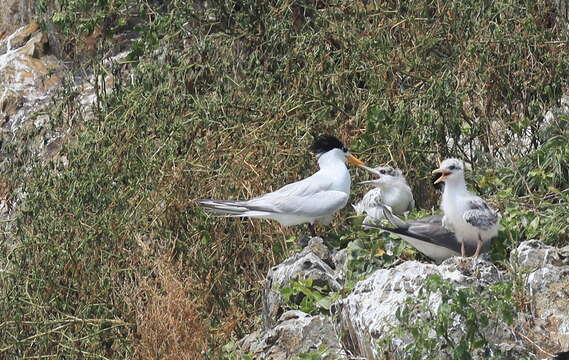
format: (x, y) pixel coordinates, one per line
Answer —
(325, 143)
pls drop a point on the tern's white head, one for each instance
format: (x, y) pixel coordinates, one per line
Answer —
(451, 170)
(327, 146)
(385, 176)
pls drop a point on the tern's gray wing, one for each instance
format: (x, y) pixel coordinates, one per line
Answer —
(312, 205)
(437, 245)
(480, 215)
(427, 235)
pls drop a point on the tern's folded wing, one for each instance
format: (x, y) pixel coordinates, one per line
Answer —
(427, 235)
(480, 215)
(436, 248)
(314, 205)
(434, 233)
(313, 184)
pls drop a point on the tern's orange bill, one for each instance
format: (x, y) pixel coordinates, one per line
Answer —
(351, 159)
(444, 173)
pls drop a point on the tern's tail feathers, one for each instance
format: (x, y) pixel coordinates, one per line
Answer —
(437, 249)
(229, 208)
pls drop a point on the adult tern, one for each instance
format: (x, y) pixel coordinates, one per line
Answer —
(311, 200)
(391, 189)
(465, 214)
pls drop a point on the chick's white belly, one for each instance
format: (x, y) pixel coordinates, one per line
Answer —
(468, 233)
(398, 201)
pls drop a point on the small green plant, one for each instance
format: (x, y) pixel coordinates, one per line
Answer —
(230, 351)
(308, 297)
(458, 326)
(321, 353)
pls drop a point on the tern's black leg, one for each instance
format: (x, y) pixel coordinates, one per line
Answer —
(311, 229)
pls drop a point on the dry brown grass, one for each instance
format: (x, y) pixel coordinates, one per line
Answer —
(169, 319)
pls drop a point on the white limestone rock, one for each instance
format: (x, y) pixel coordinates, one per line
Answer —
(313, 263)
(296, 333)
(369, 312)
(548, 286)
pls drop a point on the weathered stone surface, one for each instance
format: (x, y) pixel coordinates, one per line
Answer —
(104, 84)
(295, 333)
(340, 260)
(10, 102)
(368, 312)
(18, 38)
(311, 263)
(29, 77)
(548, 285)
(533, 254)
(25, 68)
(15, 13)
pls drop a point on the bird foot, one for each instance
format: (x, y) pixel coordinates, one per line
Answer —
(468, 264)
(462, 264)
(305, 239)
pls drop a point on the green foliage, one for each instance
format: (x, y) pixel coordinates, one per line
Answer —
(308, 297)
(230, 351)
(321, 353)
(545, 169)
(541, 214)
(370, 250)
(461, 325)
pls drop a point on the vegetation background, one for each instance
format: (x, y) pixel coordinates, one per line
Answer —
(111, 257)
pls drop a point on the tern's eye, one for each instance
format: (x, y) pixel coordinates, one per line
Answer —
(382, 171)
(452, 167)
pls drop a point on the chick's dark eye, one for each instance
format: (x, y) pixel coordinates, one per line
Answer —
(382, 171)
(452, 167)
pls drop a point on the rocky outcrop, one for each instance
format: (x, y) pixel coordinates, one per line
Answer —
(15, 13)
(296, 333)
(29, 77)
(368, 313)
(314, 262)
(548, 286)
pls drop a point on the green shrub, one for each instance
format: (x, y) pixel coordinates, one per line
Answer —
(458, 327)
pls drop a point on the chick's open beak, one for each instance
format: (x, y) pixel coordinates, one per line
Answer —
(351, 159)
(370, 170)
(444, 174)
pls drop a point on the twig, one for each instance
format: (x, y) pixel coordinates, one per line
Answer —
(534, 344)
(34, 336)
